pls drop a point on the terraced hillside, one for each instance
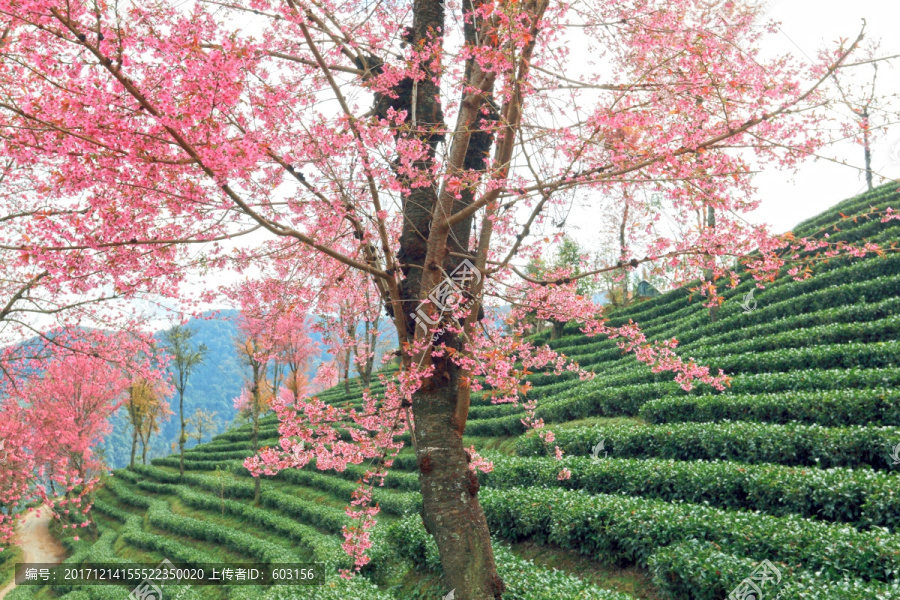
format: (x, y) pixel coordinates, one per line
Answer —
(689, 492)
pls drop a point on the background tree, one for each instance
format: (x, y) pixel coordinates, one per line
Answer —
(570, 260)
(256, 398)
(202, 422)
(295, 350)
(147, 408)
(184, 359)
(871, 113)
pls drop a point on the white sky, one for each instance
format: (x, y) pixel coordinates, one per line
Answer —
(808, 25)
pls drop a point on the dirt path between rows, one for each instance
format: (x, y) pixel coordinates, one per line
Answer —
(33, 536)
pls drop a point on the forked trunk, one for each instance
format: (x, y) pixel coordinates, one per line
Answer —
(428, 252)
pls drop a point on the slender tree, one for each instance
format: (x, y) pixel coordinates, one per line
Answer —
(185, 358)
(202, 422)
(255, 399)
(147, 408)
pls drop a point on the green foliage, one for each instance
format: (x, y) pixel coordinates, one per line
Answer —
(789, 444)
(878, 406)
(701, 572)
(862, 497)
(524, 580)
(614, 396)
(789, 464)
(629, 530)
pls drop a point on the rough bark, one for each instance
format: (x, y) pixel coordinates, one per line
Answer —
(450, 509)
(451, 512)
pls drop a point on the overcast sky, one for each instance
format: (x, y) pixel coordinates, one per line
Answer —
(806, 26)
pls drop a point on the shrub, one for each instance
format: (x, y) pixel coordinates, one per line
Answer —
(863, 497)
(698, 571)
(629, 530)
(524, 580)
(879, 406)
(790, 444)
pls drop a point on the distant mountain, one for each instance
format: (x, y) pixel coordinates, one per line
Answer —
(212, 387)
(215, 384)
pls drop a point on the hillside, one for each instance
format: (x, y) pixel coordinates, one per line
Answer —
(688, 493)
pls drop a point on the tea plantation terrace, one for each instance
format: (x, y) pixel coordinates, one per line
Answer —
(792, 464)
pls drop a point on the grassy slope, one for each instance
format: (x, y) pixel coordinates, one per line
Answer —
(834, 332)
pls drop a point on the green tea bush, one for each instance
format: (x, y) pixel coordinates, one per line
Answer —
(862, 497)
(524, 580)
(698, 571)
(628, 530)
(830, 408)
(789, 444)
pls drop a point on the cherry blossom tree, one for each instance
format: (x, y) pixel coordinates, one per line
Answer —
(424, 144)
(351, 328)
(55, 414)
(256, 350)
(295, 351)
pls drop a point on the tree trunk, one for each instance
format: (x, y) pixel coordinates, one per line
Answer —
(451, 512)
(254, 439)
(134, 442)
(623, 249)
(347, 371)
(181, 438)
(556, 329)
(867, 149)
(708, 274)
(365, 369)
